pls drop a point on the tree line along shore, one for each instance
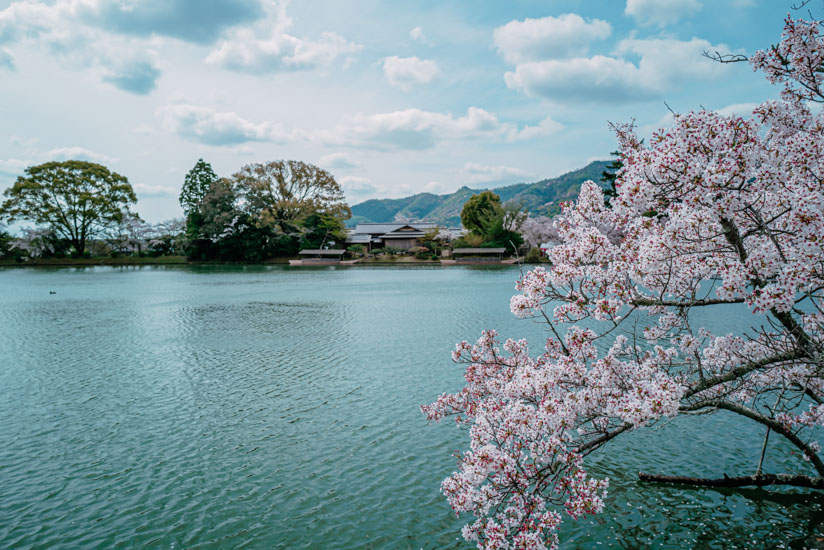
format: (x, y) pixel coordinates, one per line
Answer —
(81, 213)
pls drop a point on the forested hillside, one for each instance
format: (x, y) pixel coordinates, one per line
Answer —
(541, 197)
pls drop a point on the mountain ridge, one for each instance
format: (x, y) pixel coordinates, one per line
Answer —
(540, 197)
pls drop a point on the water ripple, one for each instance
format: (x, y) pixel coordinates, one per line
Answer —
(262, 407)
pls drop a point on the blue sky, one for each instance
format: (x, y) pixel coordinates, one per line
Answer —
(394, 98)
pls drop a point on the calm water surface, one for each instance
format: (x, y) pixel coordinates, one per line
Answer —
(263, 407)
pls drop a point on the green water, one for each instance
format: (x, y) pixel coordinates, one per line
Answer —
(268, 407)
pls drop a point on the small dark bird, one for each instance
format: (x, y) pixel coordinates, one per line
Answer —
(52, 292)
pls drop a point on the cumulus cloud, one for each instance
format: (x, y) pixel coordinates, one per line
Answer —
(7, 59)
(415, 129)
(24, 142)
(740, 109)
(211, 127)
(405, 72)
(268, 47)
(357, 185)
(78, 153)
(338, 161)
(66, 29)
(120, 40)
(473, 173)
(664, 63)
(548, 38)
(147, 190)
(138, 77)
(418, 35)
(546, 127)
(16, 167)
(199, 22)
(661, 12)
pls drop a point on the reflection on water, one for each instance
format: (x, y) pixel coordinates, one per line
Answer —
(265, 407)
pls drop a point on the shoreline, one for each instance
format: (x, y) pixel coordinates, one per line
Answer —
(181, 260)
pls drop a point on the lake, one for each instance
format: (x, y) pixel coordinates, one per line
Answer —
(269, 407)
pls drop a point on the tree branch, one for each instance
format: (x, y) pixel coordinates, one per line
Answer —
(763, 480)
(777, 427)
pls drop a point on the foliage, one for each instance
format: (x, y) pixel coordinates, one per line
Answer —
(196, 184)
(77, 199)
(9, 247)
(283, 194)
(321, 229)
(392, 251)
(534, 256)
(481, 210)
(610, 175)
(469, 240)
(497, 224)
(739, 219)
(496, 235)
(356, 249)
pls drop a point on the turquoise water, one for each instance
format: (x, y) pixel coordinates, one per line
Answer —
(263, 407)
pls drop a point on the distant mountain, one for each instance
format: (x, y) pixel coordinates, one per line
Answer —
(541, 197)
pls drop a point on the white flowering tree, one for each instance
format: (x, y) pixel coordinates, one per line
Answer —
(716, 210)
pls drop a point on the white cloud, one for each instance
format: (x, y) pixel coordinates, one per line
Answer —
(598, 78)
(548, 38)
(434, 187)
(15, 167)
(338, 160)
(479, 173)
(268, 47)
(357, 188)
(66, 29)
(78, 153)
(147, 190)
(24, 142)
(7, 60)
(405, 72)
(356, 183)
(212, 127)
(664, 64)
(415, 129)
(743, 110)
(546, 127)
(661, 12)
(418, 35)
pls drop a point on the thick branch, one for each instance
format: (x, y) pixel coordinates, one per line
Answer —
(763, 480)
(679, 303)
(590, 445)
(738, 372)
(778, 428)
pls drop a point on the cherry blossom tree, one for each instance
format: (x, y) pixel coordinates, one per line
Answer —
(538, 230)
(716, 210)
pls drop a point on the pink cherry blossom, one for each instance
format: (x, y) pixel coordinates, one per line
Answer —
(714, 211)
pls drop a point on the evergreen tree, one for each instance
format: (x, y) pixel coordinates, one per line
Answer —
(196, 184)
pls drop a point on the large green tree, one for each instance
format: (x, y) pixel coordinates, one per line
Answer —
(480, 210)
(75, 198)
(196, 184)
(284, 193)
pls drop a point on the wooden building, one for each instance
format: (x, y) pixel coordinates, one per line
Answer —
(478, 255)
(319, 257)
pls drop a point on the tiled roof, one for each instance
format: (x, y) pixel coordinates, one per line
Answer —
(383, 228)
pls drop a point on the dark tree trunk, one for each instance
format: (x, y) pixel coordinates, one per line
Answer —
(762, 480)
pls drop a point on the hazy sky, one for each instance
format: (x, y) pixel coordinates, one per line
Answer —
(393, 97)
